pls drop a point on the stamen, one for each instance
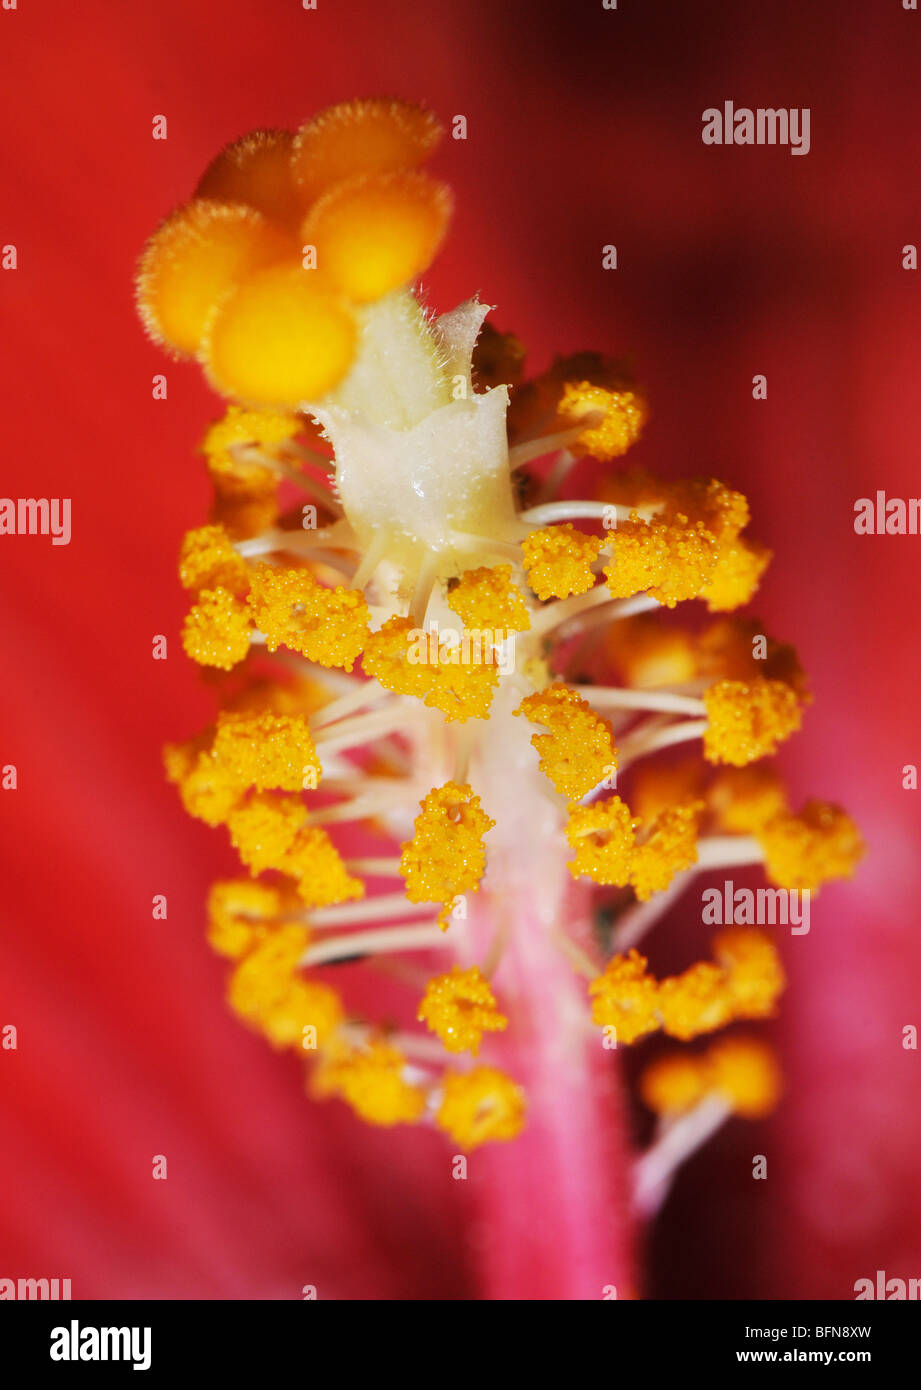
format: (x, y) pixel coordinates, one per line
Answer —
(728, 851)
(633, 924)
(379, 908)
(621, 698)
(404, 937)
(654, 1173)
(559, 611)
(536, 448)
(367, 692)
(643, 743)
(549, 513)
(349, 733)
(379, 868)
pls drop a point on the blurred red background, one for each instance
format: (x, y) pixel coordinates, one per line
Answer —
(583, 129)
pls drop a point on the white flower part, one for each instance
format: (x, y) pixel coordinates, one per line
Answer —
(423, 491)
(457, 332)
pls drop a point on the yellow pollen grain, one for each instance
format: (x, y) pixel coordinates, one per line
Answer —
(806, 850)
(217, 630)
(241, 913)
(207, 560)
(666, 847)
(747, 720)
(263, 977)
(263, 828)
(459, 1008)
(745, 1073)
(754, 975)
(616, 418)
(626, 997)
(328, 626)
(577, 752)
(271, 752)
(487, 598)
(319, 870)
(671, 559)
(673, 1083)
(480, 1106)
(603, 837)
(558, 560)
(446, 856)
(371, 1080)
(305, 1005)
(740, 565)
(743, 799)
(694, 1002)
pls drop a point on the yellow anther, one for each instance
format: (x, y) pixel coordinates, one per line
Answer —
(256, 170)
(697, 1001)
(207, 560)
(270, 752)
(262, 979)
(217, 630)
(459, 680)
(240, 480)
(626, 997)
(279, 337)
(673, 1083)
(307, 1016)
(754, 975)
(462, 689)
(657, 786)
(748, 720)
(672, 560)
(558, 560)
(745, 1073)
(736, 574)
(194, 258)
(263, 828)
(256, 429)
(739, 649)
(241, 913)
(328, 626)
(722, 510)
(578, 750)
(205, 789)
(744, 799)
(460, 1007)
(806, 850)
(388, 657)
(244, 515)
(446, 856)
(649, 652)
(378, 232)
(481, 1106)
(281, 693)
(488, 599)
(371, 1080)
(664, 848)
(614, 419)
(603, 837)
(322, 878)
(354, 138)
